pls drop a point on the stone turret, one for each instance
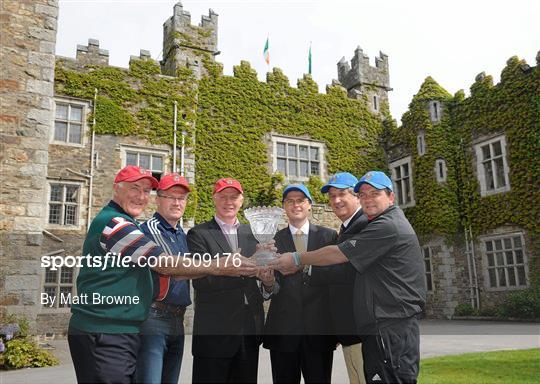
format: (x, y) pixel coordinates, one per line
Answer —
(92, 54)
(186, 45)
(360, 78)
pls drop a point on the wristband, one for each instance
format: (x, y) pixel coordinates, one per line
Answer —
(296, 258)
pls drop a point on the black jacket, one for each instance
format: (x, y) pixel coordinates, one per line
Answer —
(298, 308)
(340, 281)
(220, 300)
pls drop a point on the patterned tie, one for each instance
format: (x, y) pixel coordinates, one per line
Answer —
(341, 229)
(299, 241)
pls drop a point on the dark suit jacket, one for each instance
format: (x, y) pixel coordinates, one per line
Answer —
(220, 310)
(340, 281)
(298, 308)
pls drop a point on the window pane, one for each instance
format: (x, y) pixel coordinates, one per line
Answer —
(291, 148)
(517, 241)
(486, 154)
(72, 192)
(304, 169)
(65, 291)
(519, 256)
(281, 166)
(50, 276)
(499, 258)
(405, 170)
(56, 192)
(75, 114)
(489, 246)
(499, 170)
(303, 152)
(511, 277)
(502, 277)
(157, 163)
(61, 111)
(70, 217)
(507, 243)
(315, 169)
(75, 133)
(144, 161)
(131, 158)
(429, 283)
(51, 292)
(54, 213)
(66, 275)
(280, 149)
(498, 244)
(60, 131)
(492, 278)
(398, 172)
(488, 170)
(427, 265)
(491, 259)
(292, 168)
(497, 150)
(314, 153)
(509, 257)
(521, 276)
(399, 193)
(407, 190)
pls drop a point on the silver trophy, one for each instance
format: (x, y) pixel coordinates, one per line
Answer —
(264, 223)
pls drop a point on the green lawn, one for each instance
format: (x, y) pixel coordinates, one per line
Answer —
(519, 366)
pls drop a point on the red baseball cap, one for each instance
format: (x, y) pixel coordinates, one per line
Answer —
(131, 173)
(221, 184)
(172, 179)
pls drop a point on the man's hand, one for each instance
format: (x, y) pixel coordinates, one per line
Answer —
(285, 264)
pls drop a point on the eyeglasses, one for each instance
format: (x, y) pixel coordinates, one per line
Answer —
(172, 198)
(370, 194)
(292, 202)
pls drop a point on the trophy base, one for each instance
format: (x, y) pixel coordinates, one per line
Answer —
(262, 258)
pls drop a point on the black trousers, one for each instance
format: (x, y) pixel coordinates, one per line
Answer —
(315, 366)
(392, 355)
(103, 357)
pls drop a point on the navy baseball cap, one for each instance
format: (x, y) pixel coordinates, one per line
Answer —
(297, 187)
(340, 180)
(376, 179)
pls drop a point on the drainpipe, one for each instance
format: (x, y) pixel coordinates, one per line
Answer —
(174, 136)
(91, 175)
(475, 274)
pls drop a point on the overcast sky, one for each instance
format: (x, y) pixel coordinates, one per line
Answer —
(451, 41)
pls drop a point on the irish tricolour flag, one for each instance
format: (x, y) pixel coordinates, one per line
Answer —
(266, 53)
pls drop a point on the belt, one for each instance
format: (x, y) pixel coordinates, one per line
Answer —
(169, 308)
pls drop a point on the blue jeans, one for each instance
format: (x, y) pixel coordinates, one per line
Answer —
(162, 348)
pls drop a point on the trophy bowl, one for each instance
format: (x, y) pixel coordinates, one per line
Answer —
(264, 223)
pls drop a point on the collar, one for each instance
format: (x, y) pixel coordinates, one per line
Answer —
(346, 222)
(165, 223)
(304, 228)
(113, 204)
(224, 225)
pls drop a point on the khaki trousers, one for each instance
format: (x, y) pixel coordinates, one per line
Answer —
(354, 362)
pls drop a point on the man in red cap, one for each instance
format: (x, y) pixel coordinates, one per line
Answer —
(114, 285)
(228, 310)
(162, 334)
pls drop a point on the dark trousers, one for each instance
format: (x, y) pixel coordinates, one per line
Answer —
(103, 357)
(315, 366)
(241, 368)
(393, 354)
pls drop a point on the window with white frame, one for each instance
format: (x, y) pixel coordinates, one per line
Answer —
(64, 204)
(154, 160)
(403, 185)
(492, 166)
(297, 159)
(429, 267)
(421, 143)
(375, 103)
(435, 111)
(69, 122)
(440, 170)
(59, 286)
(506, 262)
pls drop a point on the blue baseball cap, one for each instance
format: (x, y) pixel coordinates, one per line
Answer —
(340, 180)
(376, 179)
(297, 187)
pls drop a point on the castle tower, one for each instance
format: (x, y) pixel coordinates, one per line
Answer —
(186, 45)
(360, 78)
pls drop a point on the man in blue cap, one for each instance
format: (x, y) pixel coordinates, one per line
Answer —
(390, 286)
(298, 325)
(339, 278)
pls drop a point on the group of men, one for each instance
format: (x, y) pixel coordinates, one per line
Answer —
(362, 288)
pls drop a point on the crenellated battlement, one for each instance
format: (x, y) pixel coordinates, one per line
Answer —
(92, 54)
(360, 78)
